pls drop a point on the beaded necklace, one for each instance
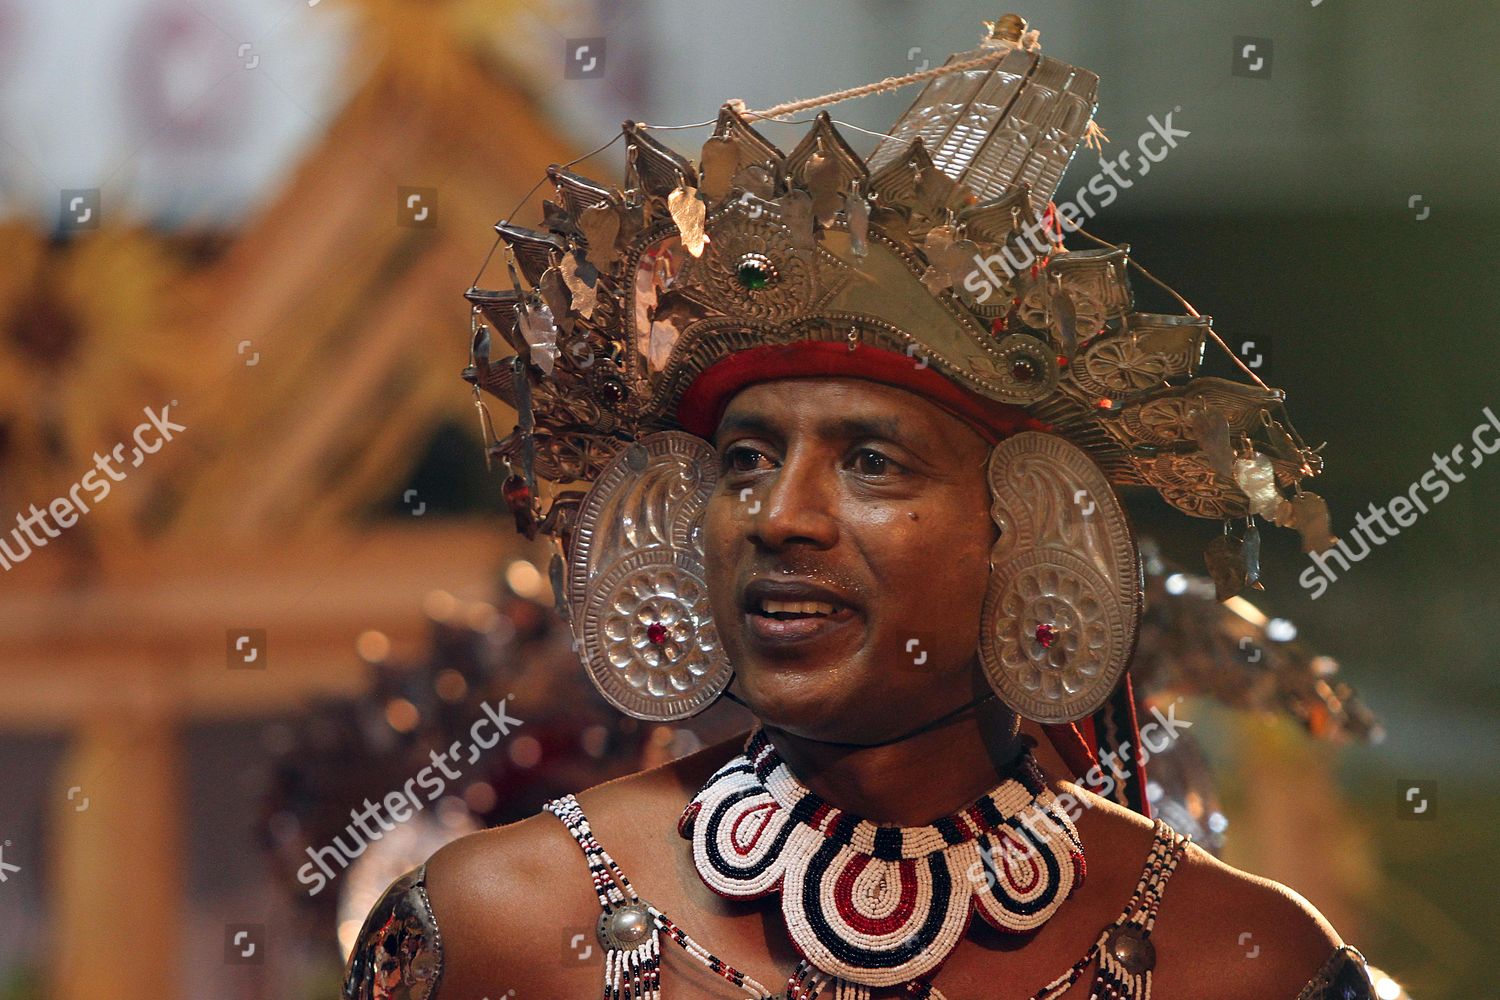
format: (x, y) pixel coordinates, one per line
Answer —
(879, 905)
(630, 928)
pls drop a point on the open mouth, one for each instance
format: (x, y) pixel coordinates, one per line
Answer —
(777, 625)
(791, 610)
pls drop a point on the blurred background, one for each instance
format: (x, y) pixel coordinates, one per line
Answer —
(246, 227)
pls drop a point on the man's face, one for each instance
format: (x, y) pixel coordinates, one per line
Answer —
(819, 482)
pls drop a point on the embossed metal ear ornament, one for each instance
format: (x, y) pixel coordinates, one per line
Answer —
(1063, 603)
(636, 580)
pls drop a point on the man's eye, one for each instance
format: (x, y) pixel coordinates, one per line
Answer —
(736, 457)
(876, 464)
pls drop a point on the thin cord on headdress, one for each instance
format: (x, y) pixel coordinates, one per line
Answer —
(799, 121)
(879, 87)
(1185, 304)
(1286, 419)
(527, 198)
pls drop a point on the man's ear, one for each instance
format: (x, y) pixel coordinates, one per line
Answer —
(1063, 604)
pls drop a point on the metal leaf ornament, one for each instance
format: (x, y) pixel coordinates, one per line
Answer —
(948, 258)
(554, 292)
(601, 229)
(540, 330)
(1308, 513)
(582, 278)
(1225, 559)
(689, 212)
(796, 208)
(823, 181)
(1256, 477)
(719, 163)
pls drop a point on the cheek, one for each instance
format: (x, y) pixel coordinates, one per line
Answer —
(718, 537)
(932, 571)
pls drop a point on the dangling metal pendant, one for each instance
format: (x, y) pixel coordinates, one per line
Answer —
(1131, 946)
(1252, 556)
(689, 212)
(625, 927)
(858, 212)
(1225, 559)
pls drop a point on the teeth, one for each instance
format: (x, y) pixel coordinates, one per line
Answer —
(798, 607)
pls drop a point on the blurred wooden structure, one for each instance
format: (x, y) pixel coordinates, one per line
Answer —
(310, 358)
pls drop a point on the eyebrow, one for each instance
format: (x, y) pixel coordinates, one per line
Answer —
(845, 427)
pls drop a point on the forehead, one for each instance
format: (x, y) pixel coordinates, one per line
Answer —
(833, 406)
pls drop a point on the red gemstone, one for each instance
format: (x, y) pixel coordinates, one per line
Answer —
(656, 632)
(1046, 634)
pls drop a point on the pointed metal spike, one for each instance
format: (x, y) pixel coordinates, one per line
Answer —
(896, 182)
(995, 221)
(916, 184)
(499, 311)
(534, 251)
(653, 168)
(842, 165)
(577, 192)
(733, 147)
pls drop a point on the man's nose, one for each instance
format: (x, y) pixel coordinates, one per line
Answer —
(795, 504)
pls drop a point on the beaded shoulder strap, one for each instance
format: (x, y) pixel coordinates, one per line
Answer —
(1124, 951)
(630, 928)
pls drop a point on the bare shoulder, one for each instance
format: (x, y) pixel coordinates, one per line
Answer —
(510, 902)
(492, 893)
(1249, 936)
(1255, 937)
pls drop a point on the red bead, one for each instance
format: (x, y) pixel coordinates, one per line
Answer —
(516, 492)
(1046, 634)
(518, 498)
(656, 632)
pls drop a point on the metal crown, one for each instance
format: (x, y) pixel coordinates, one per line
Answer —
(928, 249)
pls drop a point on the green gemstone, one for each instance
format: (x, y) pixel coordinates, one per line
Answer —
(754, 275)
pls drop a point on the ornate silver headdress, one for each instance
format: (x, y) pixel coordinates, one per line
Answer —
(927, 249)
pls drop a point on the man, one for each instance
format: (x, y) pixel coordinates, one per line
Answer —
(861, 514)
(879, 513)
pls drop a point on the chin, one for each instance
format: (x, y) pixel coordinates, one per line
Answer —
(801, 700)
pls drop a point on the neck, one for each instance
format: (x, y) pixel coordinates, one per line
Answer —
(913, 781)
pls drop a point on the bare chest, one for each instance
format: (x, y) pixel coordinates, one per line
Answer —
(736, 940)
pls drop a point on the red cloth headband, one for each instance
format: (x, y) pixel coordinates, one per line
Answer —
(704, 402)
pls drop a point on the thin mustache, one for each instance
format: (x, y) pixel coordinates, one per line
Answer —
(837, 579)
